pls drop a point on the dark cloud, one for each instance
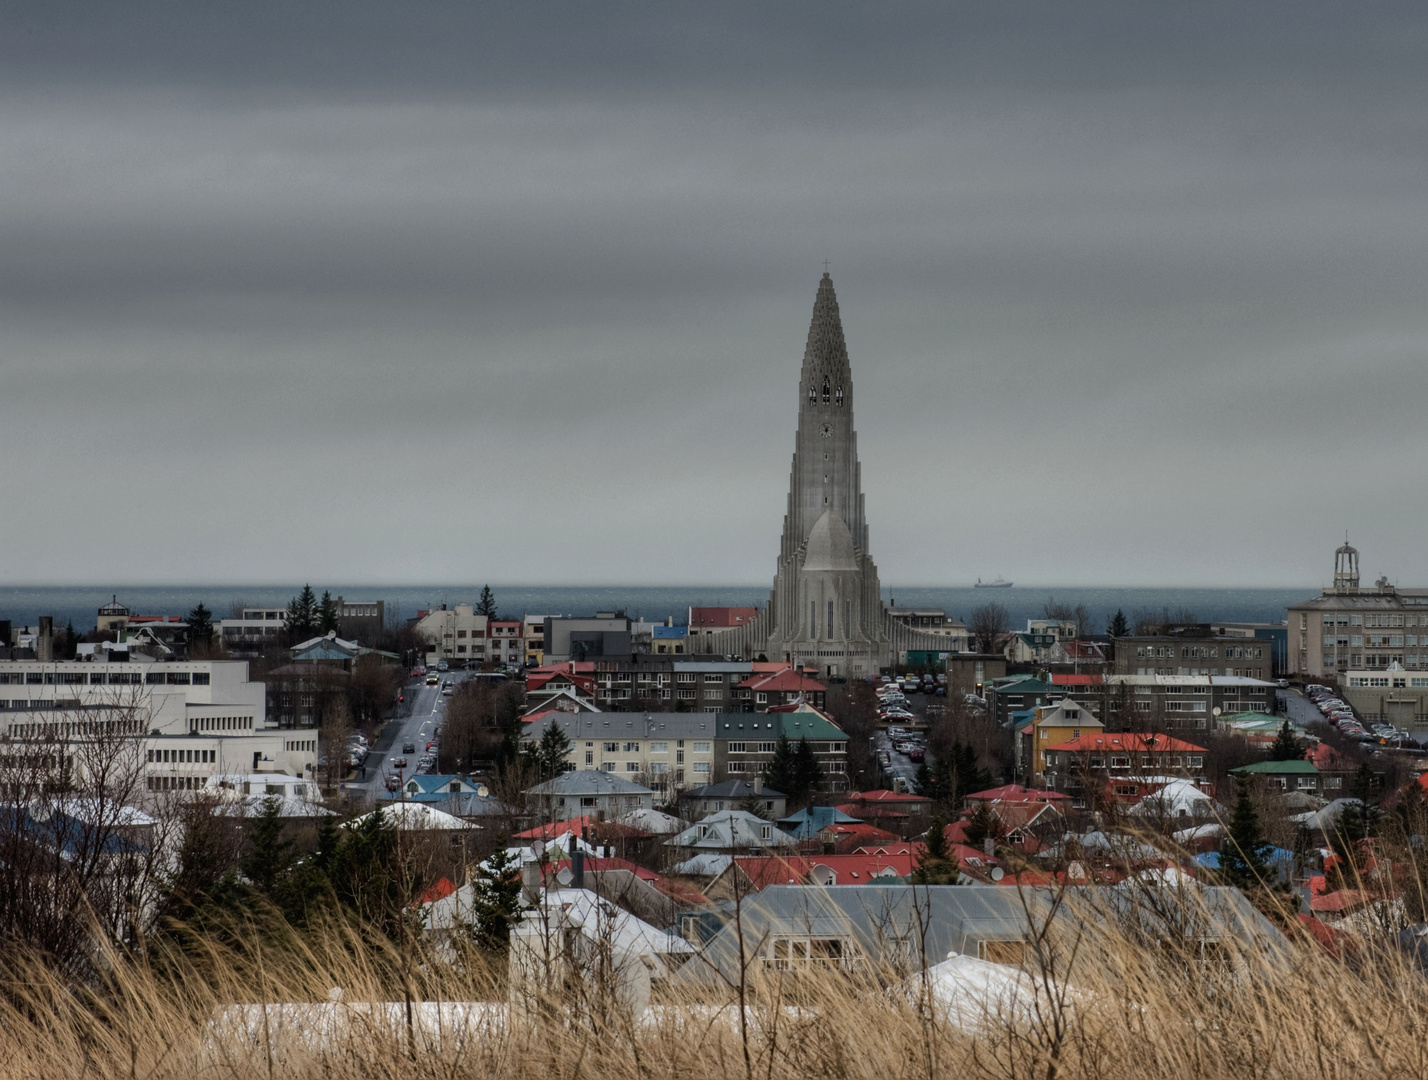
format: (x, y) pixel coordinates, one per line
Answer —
(1134, 293)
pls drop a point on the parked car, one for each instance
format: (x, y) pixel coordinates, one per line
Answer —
(392, 783)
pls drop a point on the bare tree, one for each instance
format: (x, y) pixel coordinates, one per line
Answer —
(79, 854)
(989, 624)
(333, 736)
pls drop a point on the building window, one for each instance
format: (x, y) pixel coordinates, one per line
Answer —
(701, 747)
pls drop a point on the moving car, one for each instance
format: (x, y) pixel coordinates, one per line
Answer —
(400, 763)
(409, 748)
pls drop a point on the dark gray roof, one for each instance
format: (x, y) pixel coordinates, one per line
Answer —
(588, 782)
(732, 789)
(634, 725)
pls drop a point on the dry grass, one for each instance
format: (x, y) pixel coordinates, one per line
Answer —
(1098, 999)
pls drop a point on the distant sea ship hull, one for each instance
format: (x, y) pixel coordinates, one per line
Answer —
(998, 584)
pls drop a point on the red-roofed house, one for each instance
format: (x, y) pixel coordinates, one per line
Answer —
(760, 871)
(706, 621)
(903, 814)
(1120, 765)
(587, 826)
(780, 688)
(1015, 793)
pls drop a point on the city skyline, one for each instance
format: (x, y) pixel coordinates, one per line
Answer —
(1135, 296)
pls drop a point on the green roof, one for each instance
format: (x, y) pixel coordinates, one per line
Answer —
(1279, 768)
(1027, 685)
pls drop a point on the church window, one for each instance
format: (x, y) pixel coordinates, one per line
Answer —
(813, 618)
(840, 396)
(830, 618)
(812, 394)
(847, 618)
(826, 389)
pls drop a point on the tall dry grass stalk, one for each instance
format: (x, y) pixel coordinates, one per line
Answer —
(1101, 992)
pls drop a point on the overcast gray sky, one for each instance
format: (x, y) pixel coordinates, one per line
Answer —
(1134, 293)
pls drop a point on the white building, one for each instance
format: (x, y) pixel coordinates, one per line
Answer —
(196, 719)
(258, 629)
(456, 635)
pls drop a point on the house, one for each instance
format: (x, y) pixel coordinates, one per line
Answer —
(671, 640)
(730, 831)
(1282, 776)
(585, 792)
(1050, 725)
(898, 926)
(900, 813)
(752, 873)
(762, 691)
(733, 794)
(1120, 766)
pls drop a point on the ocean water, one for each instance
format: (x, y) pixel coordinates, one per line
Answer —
(23, 604)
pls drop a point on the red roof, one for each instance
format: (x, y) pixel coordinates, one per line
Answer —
(721, 616)
(596, 865)
(785, 681)
(1131, 741)
(537, 679)
(1326, 758)
(854, 809)
(576, 825)
(766, 870)
(439, 891)
(1015, 793)
(1075, 680)
(883, 795)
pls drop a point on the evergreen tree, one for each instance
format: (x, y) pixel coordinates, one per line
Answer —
(936, 840)
(301, 620)
(781, 772)
(1358, 821)
(807, 773)
(1118, 627)
(365, 872)
(1286, 747)
(935, 865)
(497, 900)
(548, 756)
(327, 614)
(487, 604)
(269, 854)
(983, 823)
(1243, 850)
(200, 625)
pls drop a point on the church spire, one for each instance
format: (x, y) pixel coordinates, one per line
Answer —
(825, 473)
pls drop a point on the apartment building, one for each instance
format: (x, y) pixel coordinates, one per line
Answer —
(533, 632)
(652, 680)
(1195, 650)
(194, 720)
(669, 751)
(1349, 627)
(256, 630)
(361, 620)
(1121, 767)
(454, 635)
(1395, 696)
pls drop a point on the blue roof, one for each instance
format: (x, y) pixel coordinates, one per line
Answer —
(670, 631)
(1275, 856)
(806, 824)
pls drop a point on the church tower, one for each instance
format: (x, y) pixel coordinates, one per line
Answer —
(825, 610)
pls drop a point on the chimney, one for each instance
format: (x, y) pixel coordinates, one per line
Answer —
(45, 646)
(530, 879)
(758, 784)
(577, 868)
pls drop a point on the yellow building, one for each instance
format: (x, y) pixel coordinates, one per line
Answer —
(1052, 725)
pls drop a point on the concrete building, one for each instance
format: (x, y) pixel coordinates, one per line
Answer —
(1195, 650)
(362, 621)
(670, 751)
(255, 630)
(533, 633)
(193, 720)
(825, 609)
(1349, 627)
(1394, 696)
(605, 635)
(456, 635)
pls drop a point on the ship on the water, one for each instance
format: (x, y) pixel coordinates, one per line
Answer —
(999, 583)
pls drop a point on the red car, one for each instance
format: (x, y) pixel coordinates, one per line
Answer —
(400, 763)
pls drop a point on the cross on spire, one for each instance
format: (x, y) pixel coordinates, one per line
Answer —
(826, 264)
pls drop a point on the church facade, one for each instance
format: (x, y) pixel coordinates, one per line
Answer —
(825, 610)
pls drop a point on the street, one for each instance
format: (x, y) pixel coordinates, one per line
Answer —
(417, 728)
